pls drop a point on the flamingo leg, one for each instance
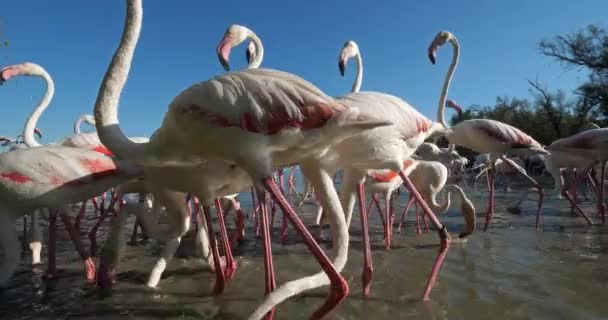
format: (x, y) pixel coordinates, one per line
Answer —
(230, 263)
(404, 214)
(443, 234)
(80, 215)
(102, 217)
(270, 282)
(539, 189)
(568, 197)
(368, 269)
(338, 285)
(220, 279)
(490, 210)
(96, 205)
(283, 220)
(89, 265)
(52, 253)
(375, 201)
(388, 226)
(239, 221)
(600, 198)
(418, 229)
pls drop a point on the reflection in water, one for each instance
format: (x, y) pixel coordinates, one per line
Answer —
(510, 272)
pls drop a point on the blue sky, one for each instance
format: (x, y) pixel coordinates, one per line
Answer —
(74, 42)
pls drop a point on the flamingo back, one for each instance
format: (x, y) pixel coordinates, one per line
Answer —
(495, 137)
(592, 144)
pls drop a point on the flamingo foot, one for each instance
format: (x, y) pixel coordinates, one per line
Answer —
(366, 278)
(229, 269)
(443, 250)
(89, 269)
(106, 276)
(337, 294)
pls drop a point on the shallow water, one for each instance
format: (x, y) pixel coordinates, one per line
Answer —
(510, 272)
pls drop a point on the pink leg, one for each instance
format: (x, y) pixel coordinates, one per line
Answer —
(52, 253)
(220, 279)
(291, 181)
(270, 283)
(254, 206)
(239, 221)
(489, 180)
(418, 229)
(283, 220)
(388, 226)
(89, 265)
(426, 223)
(230, 263)
(568, 197)
(338, 285)
(443, 234)
(375, 201)
(490, 210)
(368, 269)
(404, 215)
(93, 232)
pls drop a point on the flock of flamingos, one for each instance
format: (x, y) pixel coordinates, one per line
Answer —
(267, 120)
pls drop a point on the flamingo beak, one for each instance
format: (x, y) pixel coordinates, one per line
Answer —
(455, 106)
(432, 53)
(249, 56)
(223, 51)
(342, 66)
(38, 132)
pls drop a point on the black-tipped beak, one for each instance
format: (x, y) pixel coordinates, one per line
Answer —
(432, 56)
(342, 67)
(223, 52)
(248, 56)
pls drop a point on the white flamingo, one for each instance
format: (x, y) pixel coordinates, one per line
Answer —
(591, 145)
(265, 118)
(49, 176)
(488, 136)
(385, 148)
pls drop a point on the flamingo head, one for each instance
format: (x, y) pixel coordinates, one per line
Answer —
(234, 35)
(350, 49)
(251, 52)
(5, 141)
(38, 132)
(440, 39)
(452, 104)
(22, 69)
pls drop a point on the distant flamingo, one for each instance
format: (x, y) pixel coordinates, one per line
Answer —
(590, 144)
(299, 125)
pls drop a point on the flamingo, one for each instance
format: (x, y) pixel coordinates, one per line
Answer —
(262, 116)
(388, 148)
(487, 136)
(49, 176)
(590, 144)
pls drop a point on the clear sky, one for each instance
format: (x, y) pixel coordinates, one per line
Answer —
(74, 41)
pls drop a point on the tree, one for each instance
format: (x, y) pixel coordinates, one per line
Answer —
(585, 49)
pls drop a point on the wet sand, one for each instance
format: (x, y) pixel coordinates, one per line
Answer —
(510, 272)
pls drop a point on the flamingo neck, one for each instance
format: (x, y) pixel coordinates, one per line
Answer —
(447, 81)
(259, 51)
(106, 105)
(30, 126)
(359, 78)
(83, 118)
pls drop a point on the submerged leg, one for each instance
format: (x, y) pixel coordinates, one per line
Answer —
(220, 278)
(89, 265)
(270, 282)
(490, 210)
(230, 263)
(443, 234)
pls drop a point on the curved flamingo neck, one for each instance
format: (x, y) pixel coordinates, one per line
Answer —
(259, 51)
(106, 105)
(359, 78)
(83, 118)
(30, 125)
(447, 82)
